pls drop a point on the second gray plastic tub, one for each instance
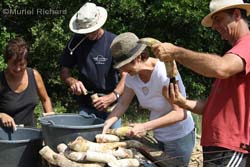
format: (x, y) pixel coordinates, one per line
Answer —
(63, 128)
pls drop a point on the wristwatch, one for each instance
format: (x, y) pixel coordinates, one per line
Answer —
(117, 95)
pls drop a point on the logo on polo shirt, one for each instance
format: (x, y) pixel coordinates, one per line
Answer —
(100, 59)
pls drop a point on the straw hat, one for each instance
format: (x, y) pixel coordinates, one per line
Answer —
(88, 18)
(219, 5)
(125, 49)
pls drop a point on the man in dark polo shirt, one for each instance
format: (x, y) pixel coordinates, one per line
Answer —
(89, 51)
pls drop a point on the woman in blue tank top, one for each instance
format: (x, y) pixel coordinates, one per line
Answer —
(20, 88)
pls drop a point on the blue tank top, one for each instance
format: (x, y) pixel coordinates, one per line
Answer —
(21, 105)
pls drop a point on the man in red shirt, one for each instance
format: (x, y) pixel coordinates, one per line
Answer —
(226, 112)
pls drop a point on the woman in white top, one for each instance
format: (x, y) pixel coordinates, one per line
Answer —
(173, 127)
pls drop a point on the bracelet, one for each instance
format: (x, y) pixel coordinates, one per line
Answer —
(117, 95)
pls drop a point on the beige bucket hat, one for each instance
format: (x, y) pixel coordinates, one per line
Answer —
(88, 18)
(219, 5)
(125, 49)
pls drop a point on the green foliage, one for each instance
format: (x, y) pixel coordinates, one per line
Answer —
(46, 52)
(177, 22)
(197, 120)
(4, 38)
(58, 109)
(135, 114)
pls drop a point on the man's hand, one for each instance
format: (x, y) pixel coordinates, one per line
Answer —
(103, 102)
(7, 121)
(164, 51)
(77, 88)
(173, 95)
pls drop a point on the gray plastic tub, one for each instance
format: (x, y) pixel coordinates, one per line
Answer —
(20, 148)
(63, 128)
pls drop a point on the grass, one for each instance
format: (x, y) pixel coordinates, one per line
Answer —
(197, 121)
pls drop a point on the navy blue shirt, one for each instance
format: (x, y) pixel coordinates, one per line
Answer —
(94, 62)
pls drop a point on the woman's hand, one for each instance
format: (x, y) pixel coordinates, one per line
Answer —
(138, 130)
(108, 123)
(7, 121)
(48, 113)
(107, 126)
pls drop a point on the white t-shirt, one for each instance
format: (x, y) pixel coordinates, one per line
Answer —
(150, 97)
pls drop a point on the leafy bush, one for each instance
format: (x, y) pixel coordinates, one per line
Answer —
(172, 21)
(4, 38)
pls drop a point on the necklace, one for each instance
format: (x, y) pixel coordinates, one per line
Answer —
(74, 48)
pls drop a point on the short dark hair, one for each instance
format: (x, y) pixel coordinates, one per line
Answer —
(18, 48)
(145, 54)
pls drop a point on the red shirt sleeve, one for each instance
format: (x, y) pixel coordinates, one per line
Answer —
(242, 49)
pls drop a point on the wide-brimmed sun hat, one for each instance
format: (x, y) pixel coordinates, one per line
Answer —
(125, 49)
(88, 18)
(219, 5)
